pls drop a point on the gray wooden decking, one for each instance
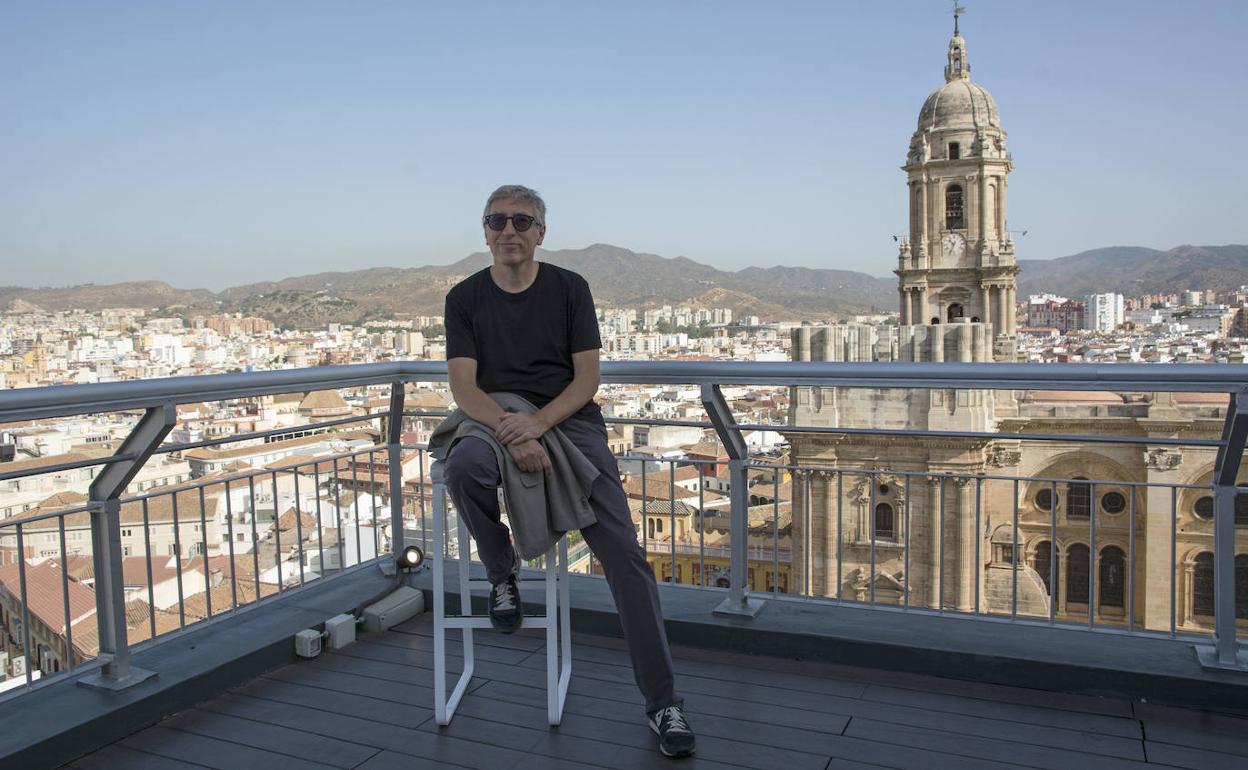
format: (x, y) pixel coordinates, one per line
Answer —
(370, 707)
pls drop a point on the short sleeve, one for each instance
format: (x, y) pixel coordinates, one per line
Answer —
(460, 342)
(583, 320)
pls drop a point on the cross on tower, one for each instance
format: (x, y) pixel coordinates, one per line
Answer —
(958, 10)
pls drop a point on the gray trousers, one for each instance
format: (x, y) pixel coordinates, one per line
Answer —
(472, 479)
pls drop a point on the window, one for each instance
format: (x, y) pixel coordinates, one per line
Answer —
(126, 533)
(1112, 577)
(955, 312)
(1044, 499)
(885, 524)
(1113, 502)
(1078, 500)
(1077, 574)
(953, 208)
(125, 550)
(1202, 585)
(1042, 562)
(955, 151)
(1203, 508)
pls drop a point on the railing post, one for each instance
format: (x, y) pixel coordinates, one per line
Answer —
(394, 450)
(115, 672)
(739, 601)
(1224, 654)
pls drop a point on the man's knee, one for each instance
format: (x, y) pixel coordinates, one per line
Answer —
(472, 461)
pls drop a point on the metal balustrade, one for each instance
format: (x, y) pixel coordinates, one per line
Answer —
(753, 552)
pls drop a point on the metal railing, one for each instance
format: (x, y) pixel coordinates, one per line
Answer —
(833, 519)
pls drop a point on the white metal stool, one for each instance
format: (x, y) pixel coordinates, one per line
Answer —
(557, 621)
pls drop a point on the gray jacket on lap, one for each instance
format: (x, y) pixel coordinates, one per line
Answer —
(540, 509)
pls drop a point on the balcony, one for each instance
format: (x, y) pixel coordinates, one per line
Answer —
(813, 627)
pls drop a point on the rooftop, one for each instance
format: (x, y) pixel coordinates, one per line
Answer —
(370, 706)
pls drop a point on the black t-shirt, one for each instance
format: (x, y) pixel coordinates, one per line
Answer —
(523, 342)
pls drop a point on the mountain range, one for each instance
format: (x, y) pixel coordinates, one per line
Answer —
(620, 277)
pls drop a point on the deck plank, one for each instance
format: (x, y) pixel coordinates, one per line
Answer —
(370, 706)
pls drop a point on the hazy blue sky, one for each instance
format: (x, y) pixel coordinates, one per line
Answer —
(216, 143)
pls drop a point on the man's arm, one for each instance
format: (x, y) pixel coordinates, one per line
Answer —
(516, 427)
(477, 404)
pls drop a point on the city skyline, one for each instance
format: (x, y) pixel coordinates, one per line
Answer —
(218, 146)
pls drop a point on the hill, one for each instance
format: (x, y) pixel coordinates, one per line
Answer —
(621, 277)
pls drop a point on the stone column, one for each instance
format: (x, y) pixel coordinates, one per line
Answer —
(965, 524)
(921, 240)
(923, 308)
(936, 341)
(832, 536)
(983, 208)
(1153, 584)
(1009, 310)
(999, 306)
(1060, 577)
(905, 307)
(986, 301)
(934, 544)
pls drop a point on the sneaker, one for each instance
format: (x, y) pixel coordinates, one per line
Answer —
(675, 737)
(506, 613)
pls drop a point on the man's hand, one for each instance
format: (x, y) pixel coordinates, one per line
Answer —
(518, 427)
(531, 457)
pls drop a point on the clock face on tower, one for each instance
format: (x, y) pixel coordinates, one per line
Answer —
(953, 245)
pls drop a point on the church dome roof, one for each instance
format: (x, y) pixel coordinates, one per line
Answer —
(959, 104)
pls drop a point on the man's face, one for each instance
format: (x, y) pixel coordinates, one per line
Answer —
(508, 246)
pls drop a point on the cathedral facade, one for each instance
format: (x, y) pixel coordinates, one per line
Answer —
(1112, 534)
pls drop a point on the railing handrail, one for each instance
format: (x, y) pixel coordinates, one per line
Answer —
(66, 400)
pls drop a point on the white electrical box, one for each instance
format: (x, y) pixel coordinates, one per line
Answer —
(404, 603)
(339, 631)
(308, 643)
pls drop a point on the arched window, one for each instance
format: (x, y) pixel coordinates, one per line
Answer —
(954, 219)
(885, 522)
(1077, 574)
(1203, 507)
(955, 312)
(1112, 579)
(1042, 562)
(955, 151)
(1202, 585)
(1241, 586)
(1078, 499)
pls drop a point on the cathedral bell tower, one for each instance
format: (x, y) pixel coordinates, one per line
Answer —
(958, 264)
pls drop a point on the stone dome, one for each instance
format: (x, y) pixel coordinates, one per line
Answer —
(959, 104)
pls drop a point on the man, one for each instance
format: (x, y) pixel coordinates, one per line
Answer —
(529, 328)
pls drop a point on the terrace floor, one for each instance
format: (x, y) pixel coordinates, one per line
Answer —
(369, 706)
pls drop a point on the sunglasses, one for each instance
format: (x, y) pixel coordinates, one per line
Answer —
(521, 222)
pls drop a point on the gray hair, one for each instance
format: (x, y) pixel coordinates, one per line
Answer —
(522, 194)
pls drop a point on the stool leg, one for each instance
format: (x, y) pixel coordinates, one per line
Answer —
(565, 625)
(439, 602)
(465, 597)
(553, 712)
(444, 708)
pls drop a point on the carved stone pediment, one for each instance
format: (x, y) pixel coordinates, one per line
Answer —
(1000, 457)
(1162, 459)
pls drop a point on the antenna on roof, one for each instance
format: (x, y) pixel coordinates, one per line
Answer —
(958, 10)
